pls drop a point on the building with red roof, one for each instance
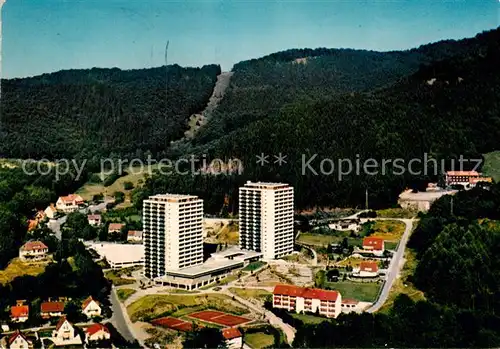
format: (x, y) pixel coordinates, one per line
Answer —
(19, 312)
(115, 228)
(460, 177)
(65, 333)
(33, 250)
(69, 203)
(303, 299)
(16, 340)
(233, 337)
(373, 244)
(91, 307)
(51, 309)
(97, 332)
(368, 269)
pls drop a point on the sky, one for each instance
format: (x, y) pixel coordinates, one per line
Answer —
(43, 36)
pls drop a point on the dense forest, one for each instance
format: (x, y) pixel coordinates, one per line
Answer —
(445, 109)
(97, 112)
(457, 270)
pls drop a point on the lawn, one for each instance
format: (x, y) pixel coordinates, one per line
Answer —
(259, 340)
(115, 276)
(491, 165)
(402, 285)
(353, 262)
(396, 213)
(254, 266)
(90, 189)
(318, 239)
(390, 245)
(308, 319)
(17, 268)
(389, 230)
(124, 293)
(250, 293)
(362, 291)
(152, 306)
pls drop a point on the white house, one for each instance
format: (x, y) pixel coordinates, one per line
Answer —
(94, 219)
(65, 333)
(33, 250)
(374, 244)
(91, 307)
(17, 340)
(367, 269)
(312, 300)
(19, 312)
(96, 332)
(69, 203)
(233, 337)
(115, 228)
(346, 225)
(50, 211)
(134, 236)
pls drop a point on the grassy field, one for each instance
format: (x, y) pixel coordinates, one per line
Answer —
(401, 286)
(389, 230)
(259, 340)
(254, 266)
(124, 293)
(353, 262)
(250, 293)
(115, 276)
(309, 319)
(18, 268)
(317, 239)
(152, 306)
(135, 174)
(396, 213)
(491, 165)
(365, 292)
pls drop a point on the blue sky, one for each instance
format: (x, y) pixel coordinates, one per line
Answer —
(42, 36)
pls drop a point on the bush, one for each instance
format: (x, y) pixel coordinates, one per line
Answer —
(128, 185)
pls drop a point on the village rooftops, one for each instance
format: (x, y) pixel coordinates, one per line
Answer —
(52, 307)
(72, 198)
(34, 246)
(94, 328)
(18, 311)
(368, 266)
(309, 293)
(374, 243)
(231, 333)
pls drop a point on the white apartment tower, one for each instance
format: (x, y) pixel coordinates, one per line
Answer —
(172, 233)
(266, 218)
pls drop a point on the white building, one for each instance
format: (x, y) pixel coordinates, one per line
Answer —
(91, 307)
(69, 203)
(33, 250)
(134, 236)
(307, 300)
(172, 233)
(96, 332)
(233, 337)
(65, 333)
(119, 255)
(94, 219)
(367, 269)
(16, 340)
(50, 211)
(346, 225)
(266, 218)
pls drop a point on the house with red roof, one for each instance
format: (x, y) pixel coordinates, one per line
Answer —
(349, 305)
(134, 236)
(19, 312)
(96, 332)
(233, 337)
(70, 203)
(16, 340)
(307, 300)
(65, 333)
(33, 250)
(460, 177)
(51, 309)
(91, 307)
(115, 228)
(367, 269)
(374, 244)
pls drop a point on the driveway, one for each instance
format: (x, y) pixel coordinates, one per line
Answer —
(395, 265)
(120, 318)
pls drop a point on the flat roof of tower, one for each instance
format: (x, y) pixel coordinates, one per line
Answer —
(266, 185)
(173, 197)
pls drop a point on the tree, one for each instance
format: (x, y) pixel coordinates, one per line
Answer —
(128, 185)
(204, 338)
(119, 197)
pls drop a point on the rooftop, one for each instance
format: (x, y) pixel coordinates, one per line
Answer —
(173, 197)
(230, 333)
(210, 266)
(311, 293)
(266, 185)
(33, 245)
(425, 195)
(118, 253)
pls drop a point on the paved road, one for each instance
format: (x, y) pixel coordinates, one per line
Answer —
(55, 224)
(120, 319)
(395, 265)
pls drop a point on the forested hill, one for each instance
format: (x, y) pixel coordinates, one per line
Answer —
(101, 111)
(446, 109)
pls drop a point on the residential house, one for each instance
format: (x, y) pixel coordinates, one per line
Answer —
(367, 269)
(50, 211)
(374, 244)
(16, 340)
(19, 312)
(312, 300)
(65, 333)
(97, 332)
(115, 228)
(51, 309)
(346, 225)
(33, 250)
(91, 307)
(134, 236)
(69, 203)
(460, 177)
(349, 305)
(94, 219)
(233, 337)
